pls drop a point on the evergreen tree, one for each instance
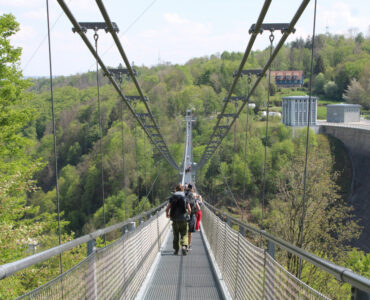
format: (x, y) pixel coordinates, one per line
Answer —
(319, 66)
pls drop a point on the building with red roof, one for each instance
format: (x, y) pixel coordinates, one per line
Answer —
(288, 78)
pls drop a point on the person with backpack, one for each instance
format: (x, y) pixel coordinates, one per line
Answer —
(194, 207)
(178, 209)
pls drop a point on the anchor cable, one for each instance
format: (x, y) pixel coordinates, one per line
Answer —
(271, 38)
(96, 38)
(301, 240)
(54, 135)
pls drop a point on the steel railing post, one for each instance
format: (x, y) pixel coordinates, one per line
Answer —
(242, 231)
(131, 226)
(271, 252)
(271, 249)
(91, 247)
(237, 269)
(357, 294)
(92, 290)
(124, 230)
(158, 233)
(224, 253)
(264, 274)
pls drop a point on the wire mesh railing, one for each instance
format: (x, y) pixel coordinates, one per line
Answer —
(116, 271)
(249, 272)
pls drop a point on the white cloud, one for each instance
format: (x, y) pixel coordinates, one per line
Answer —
(174, 19)
(178, 25)
(150, 34)
(21, 3)
(26, 32)
(83, 5)
(178, 39)
(177, 30)
(35, 14)
(339, 18)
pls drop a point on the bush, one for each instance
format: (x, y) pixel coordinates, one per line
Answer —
(331, 90)
(319, 83)
(356, 94)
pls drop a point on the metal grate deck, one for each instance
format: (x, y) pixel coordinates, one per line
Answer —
(183, 277)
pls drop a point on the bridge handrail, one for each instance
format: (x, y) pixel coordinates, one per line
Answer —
(9, 269)
(339, 272)
(360, 126)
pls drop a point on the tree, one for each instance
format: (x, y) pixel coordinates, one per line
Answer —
(319, 83)
(12, 86)
(328, 226)
(331, 90)
(21, 224)
(356, 94)
(319, 65)
(346, 72)
(273, 88)
(360, 38)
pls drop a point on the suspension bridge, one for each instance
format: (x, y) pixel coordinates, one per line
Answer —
(224, 262)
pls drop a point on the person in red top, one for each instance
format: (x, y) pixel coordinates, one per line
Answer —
(198, 214)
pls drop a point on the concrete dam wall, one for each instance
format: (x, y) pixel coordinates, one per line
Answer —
(357, 142)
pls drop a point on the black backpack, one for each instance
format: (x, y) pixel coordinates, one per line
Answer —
(191, 200)
(178, 206)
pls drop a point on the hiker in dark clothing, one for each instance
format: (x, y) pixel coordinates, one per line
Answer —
(178, 209)
(194, 206)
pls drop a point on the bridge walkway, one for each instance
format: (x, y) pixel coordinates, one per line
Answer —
(183, 277)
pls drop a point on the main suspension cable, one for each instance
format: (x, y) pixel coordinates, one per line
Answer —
(96, 38)
(204, 158)
(129, 27)
(164, 150)
(216, 138)
(77, 27)
(301, 237)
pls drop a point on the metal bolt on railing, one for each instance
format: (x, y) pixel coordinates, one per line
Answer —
(131, 226)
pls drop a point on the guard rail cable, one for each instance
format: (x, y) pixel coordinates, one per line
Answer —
(230, 250)
(9, 269)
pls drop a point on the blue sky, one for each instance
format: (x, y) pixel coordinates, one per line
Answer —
(165, 30)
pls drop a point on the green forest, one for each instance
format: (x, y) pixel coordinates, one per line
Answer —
(136, 178)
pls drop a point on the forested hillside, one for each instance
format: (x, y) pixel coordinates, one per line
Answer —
(135, 176)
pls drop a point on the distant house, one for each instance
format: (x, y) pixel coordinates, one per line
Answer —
(288, 78)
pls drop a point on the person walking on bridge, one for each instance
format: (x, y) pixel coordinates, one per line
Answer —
(178, 209)
(198, 213)
(194, 206)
